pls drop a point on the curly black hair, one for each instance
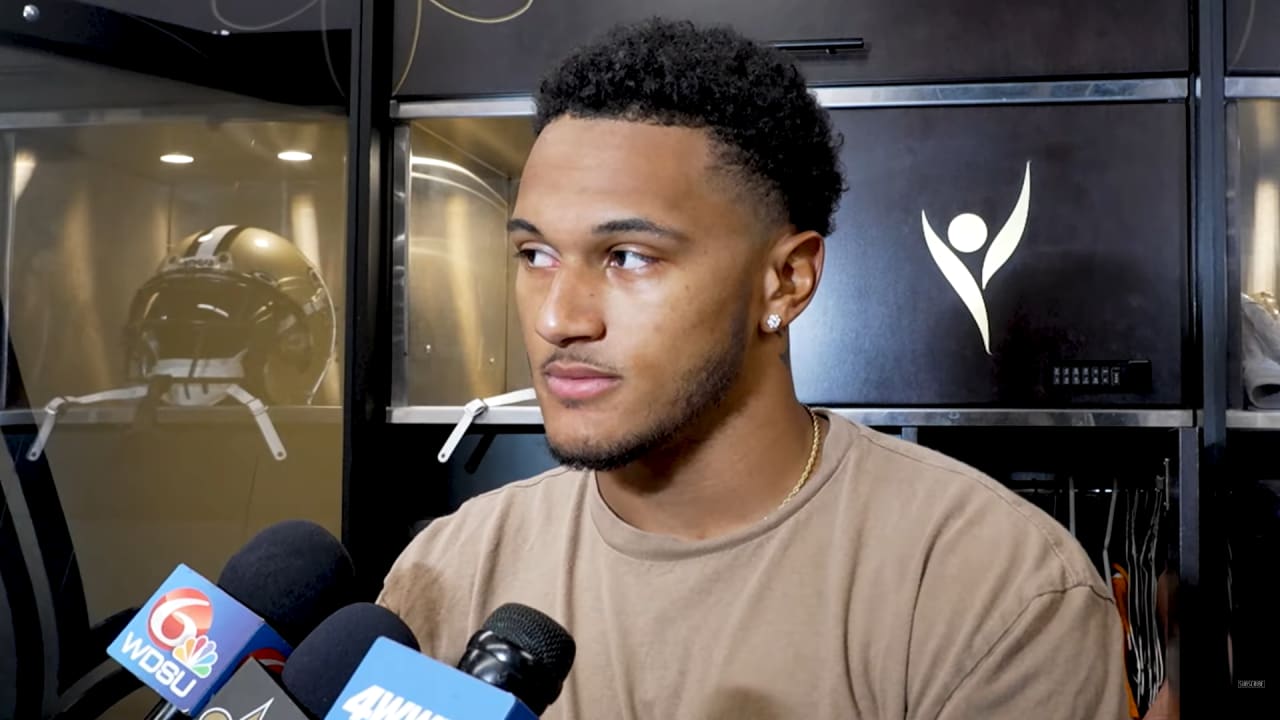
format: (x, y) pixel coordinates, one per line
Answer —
(770, 131)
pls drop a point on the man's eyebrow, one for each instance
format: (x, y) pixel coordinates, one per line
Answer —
(637, 225)
(515, 224)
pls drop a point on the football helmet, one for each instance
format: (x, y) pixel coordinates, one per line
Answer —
(234, 314)
(233, 305)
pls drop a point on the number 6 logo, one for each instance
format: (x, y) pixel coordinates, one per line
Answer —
(178, 615)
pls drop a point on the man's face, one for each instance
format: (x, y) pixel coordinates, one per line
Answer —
(636, 288)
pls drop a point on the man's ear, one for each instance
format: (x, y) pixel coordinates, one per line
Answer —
(792, 273)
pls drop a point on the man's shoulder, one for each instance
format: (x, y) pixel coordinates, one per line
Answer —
(555, 481)
(970, 516)
(443, 577)
(535, 498)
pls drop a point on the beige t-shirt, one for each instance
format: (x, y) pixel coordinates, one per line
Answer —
(898, 583)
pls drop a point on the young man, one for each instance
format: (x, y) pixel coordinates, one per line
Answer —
(716, 548)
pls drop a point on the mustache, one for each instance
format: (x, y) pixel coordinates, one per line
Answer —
(570, 356)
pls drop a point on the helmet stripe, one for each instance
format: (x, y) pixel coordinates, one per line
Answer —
(224, 245)
(210, 243)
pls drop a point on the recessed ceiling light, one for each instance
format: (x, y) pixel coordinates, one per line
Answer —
(177, 159)
(294, 156)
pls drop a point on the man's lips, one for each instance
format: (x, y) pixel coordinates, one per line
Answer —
(572, 381)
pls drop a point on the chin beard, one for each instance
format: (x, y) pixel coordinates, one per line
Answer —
(700, 392)
(610, 457)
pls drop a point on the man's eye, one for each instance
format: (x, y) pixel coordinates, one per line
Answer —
(630, 260)
(536, 258)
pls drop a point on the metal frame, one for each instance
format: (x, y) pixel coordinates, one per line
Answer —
(1244, 87)
(1202, 674)
(227, 111)
(366, 514)
(848, 96)
(531, 415)
(124, 414)
(402, 201)
(1253, 420)
(514, 106)
(1039, 93)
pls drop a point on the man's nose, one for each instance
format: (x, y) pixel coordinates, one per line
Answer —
(571, 310)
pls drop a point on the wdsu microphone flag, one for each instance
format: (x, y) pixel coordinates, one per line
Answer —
(190, 637)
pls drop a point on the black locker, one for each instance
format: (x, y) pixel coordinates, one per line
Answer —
(458, 48)
(1012, 256)
(1253, 36)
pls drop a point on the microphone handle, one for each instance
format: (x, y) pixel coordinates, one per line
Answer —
(165, 710)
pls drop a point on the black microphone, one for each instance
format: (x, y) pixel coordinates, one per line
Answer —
(315, 672)
(512, 669)
(321, 665)
(291, 574)
(522, 651)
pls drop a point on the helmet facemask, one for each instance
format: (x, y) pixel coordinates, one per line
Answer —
(200, 332)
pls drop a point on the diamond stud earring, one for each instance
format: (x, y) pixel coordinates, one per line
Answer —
(774, 321)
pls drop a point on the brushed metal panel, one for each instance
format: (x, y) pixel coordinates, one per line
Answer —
(1253, 420)
(876, 417)
(845, 96)
(1253, 87)
(1039, 93)
(456, 274)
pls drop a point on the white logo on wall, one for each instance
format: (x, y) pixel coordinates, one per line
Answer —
(967, 233)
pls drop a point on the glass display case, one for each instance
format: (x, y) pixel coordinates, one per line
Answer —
(457, 335)
(1254, 227)
(172, 282)
(1252, 477)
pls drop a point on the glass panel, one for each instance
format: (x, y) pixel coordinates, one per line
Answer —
(1254, 220)
(171, 256)
(463, 339)
(1253, 492)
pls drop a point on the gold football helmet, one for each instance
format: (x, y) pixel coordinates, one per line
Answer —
(234, 314)
(233, 305)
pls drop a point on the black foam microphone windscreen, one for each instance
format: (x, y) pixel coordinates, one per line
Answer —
(293, 574)
(321, 664)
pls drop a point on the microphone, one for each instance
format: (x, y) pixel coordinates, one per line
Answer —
(523, 652)
(192, 635)
(326, 660)
(514, 667)
(314, 673)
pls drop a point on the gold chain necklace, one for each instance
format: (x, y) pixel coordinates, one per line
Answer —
(813, 456)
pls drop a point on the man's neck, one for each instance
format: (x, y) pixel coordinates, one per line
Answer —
(728, 477)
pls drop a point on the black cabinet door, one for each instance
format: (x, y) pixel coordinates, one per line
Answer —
(1015, 256)
(453, 48)
(1253, 36)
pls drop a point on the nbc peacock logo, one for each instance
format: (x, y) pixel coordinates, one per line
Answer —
(180, 622)
(198, 654)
